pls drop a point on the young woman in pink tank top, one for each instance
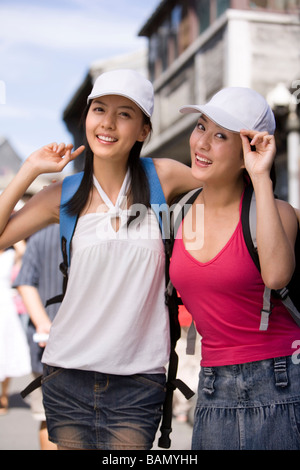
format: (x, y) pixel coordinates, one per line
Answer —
(248, 395)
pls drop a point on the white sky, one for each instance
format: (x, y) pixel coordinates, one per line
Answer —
(46, 48)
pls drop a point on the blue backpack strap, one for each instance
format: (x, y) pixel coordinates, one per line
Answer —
(157, 198)
(68, 222)
(67, 225)
(71, 184)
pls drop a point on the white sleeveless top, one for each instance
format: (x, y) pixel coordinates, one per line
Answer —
(113, 318)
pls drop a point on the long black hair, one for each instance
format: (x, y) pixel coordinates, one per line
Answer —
(139, 189)
(273, 175)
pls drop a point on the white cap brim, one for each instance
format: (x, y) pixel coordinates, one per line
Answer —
(217, 115)
(114, 92)
(128, 83)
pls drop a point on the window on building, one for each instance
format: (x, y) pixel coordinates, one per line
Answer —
(203, 11)
(176, 17)
(163, 32)
(184, 29)
(259, 4)
(280, 5)
(175, 24)
(286, 4)
(153, 55)
(222, 6)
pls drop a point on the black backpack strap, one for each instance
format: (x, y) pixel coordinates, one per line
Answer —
(64, 270)
(172, 300)
(172, 382)
(289, 305)
(179, 210)
(292, 289)
(248, 218)
(32, 386)
(249, 232)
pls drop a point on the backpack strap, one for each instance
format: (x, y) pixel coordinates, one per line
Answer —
(178, 211)
(70, 186)
(157, 198)
(249, 231)
(191, 339)
(248, 218)
(161, 210)
(289, 305)
(67, 224)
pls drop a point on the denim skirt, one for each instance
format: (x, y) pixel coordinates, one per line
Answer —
(252, 406)
(90, 410)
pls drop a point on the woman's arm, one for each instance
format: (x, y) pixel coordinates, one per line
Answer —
(175, 178)
(43, 208)
(276, 220)
(276, 235)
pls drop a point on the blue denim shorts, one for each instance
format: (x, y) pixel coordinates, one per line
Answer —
(90, 410)
(253, 406)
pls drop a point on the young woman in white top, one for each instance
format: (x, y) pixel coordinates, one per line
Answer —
(104, 377)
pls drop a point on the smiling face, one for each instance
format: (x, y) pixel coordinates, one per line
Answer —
(215, 152)
(113, 125)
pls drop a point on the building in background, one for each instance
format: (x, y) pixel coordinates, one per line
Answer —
(10, 162)
(197, 47)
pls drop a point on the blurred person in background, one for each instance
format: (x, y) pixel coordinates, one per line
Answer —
(14, 351)
(39, 280)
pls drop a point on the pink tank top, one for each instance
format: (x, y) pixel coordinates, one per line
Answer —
(224, 297)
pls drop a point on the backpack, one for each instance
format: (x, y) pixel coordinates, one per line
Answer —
(160, 207)
(289, 295)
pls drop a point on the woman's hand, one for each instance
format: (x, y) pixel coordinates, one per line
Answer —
(53, 158)
(259, 161)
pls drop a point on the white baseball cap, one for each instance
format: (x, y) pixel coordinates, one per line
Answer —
(127, 83)
(237, 108)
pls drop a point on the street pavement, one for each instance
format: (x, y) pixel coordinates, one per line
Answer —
(18, 430)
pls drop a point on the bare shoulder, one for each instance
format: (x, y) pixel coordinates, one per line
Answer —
(165, 167)
(289, 215)
(285, 208)
(297, 212)
(175, 177)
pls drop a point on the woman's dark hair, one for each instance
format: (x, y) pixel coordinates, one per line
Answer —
(272, 173)
(272, 176)
(139, 189)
